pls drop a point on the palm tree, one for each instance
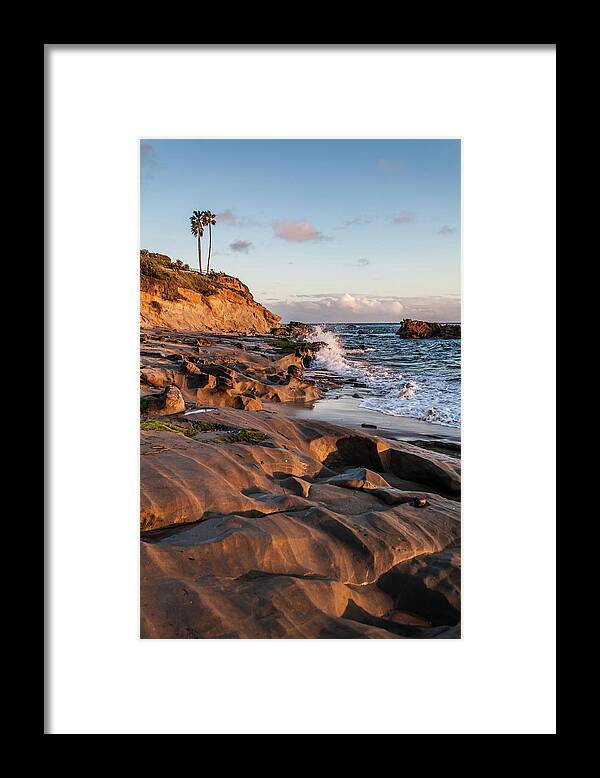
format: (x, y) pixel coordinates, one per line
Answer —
(197, 223)
(210, 219)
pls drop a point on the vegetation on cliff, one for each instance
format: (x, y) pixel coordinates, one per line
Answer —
(158, 271)
(174, 296)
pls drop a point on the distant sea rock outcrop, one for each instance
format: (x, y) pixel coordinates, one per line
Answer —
(415, 329)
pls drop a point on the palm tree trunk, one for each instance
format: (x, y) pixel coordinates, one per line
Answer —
(199, 253)
(209, 248)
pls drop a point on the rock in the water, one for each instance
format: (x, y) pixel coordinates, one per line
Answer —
(415, 329)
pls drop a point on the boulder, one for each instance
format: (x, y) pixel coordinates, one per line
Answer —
(190, 368)
(414, 329)
(168, 402)
(156, 377)
(295, 329)
(247, 403)
(359, 478)
(424, 467)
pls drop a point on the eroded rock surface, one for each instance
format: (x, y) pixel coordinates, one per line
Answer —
(224, 374)
(258, 525)
(166, 403)
(185, 300)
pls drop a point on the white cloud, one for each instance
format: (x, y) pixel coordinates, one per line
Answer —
(230, 217)
(227, 217)
(299, 232)
(365, 308)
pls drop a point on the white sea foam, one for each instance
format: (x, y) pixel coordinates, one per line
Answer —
(332, 356)
(420, 379)
(418, 410)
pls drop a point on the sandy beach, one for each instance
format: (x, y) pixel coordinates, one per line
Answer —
(347, 412)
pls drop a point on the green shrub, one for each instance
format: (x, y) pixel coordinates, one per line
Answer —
(157, 270)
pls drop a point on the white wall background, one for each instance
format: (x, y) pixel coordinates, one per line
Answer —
(499, 678)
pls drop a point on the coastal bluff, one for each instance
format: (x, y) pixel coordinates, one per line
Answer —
(414, 329)
(175, 297)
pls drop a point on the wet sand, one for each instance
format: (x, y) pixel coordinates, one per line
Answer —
(346, 412)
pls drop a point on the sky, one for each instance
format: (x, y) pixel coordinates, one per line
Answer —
(320, 230)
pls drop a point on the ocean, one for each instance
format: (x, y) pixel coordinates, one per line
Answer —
(415, 378)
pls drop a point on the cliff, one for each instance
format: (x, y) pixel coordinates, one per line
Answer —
(173, 296)
(415, 329)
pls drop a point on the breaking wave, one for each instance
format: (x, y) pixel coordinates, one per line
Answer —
(397, 377)
(333, 355)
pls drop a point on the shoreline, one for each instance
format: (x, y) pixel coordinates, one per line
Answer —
(347, 412)
(277, 514)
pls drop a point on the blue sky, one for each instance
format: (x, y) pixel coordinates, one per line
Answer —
(320, 230)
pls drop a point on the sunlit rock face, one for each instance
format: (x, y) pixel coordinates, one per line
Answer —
(228, 307)
(257, 524)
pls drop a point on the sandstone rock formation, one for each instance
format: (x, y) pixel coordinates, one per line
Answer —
(186, 300)
(415, 329)
(224, 375)
(166, 403)
(259, 525)
(295, 329)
